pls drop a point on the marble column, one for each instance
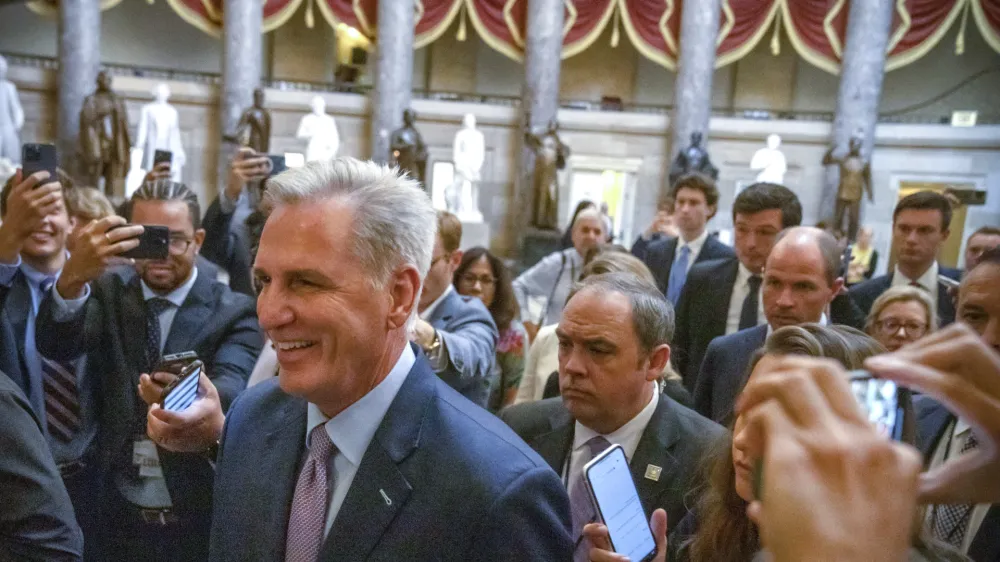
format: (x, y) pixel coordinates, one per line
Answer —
(861, 73)
(79, 63)
(241, 70)
(540, 102)
(695, 69)
(393, 72)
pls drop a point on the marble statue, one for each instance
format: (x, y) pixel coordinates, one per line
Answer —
(254, 128)
(159, 129)
(320, 130)
(468, 153)
(770, 161)
(694, 158)
(408, 149)
(11, 117)
(550, 156)
(854, 181)
(104, 136)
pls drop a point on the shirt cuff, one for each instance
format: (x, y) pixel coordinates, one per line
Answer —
(67, 308)
(227, 205)
(8, 271)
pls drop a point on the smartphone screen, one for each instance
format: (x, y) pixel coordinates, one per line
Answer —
(162, 156)
(880, 399)
(618, 504)
(182, 396)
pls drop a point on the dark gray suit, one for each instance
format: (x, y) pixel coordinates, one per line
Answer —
(469, 337)
(442, 480)
(865, 293)
(675, 440)
(724, 372)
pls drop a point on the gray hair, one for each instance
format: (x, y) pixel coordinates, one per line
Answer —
(166, 190)
(652, 314)
(394, 222)
(827, 245)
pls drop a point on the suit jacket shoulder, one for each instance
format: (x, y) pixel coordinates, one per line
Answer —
(865, 293)
(723, 372)
(715, 249)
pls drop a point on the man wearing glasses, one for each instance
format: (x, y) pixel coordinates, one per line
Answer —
(456, 333)
(155, 505)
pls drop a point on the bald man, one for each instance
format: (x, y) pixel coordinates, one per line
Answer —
(800, 281)
(542, 290)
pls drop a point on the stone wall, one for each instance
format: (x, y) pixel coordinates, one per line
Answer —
(902, 153)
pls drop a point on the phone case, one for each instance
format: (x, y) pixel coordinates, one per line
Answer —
(593, 497)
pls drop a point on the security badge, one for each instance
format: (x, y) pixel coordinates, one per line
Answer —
(653, 472)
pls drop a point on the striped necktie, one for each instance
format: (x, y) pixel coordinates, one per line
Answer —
(62, 400)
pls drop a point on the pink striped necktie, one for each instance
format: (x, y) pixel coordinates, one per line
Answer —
(310, 502)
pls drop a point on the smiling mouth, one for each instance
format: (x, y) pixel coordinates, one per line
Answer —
(292, 345)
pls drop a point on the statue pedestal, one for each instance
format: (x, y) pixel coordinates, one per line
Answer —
(535, 245)
(474, 233)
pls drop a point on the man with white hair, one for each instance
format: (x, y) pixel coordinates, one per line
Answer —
(542, 290)
(358, 451)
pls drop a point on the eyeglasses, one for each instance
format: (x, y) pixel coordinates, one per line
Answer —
(471, 280)
(890, 326)
(179, 245)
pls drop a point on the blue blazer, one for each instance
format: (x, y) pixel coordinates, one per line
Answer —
(468, 333)
(461, 485)
(660, 257)
(16, 309)
(724, 372)
(933, 420)
(864, 294)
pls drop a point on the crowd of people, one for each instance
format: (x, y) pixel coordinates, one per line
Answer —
(370, 391)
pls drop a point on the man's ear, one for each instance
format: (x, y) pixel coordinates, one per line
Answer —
(199, 237)
(658, 359)
(712, 210)
(455, 260)
(403, 289)
(836, 288)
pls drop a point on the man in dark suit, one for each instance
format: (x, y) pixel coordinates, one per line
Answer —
(670, 259)
(941, 435)
(661, 227)
(613, 344)
(800, 281)
(920, 225)
(456, 333)
(33, 252)
(723, 296)
(154, 504)
(358, 451)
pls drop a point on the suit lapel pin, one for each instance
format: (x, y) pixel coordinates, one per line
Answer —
(653, 472)
(388, 501)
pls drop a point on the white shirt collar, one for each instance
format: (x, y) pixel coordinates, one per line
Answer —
(928, 280)
(433, 306)
(695, 245)
(743, 275)
(627, 436)
(823, 319)
(178, 295)
(353, 428)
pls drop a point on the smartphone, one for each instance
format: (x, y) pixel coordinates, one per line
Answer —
(617, 502)
(175, 362)
(883, 401)
(277, 164)
(180, 394)
(39, 157)
(154, 244)
(162, 156)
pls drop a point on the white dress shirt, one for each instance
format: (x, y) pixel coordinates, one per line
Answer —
(949, 447)
(740, 290)
(929, 280)
(695, 246)
(628, 436)
(176, 298)
(352, 430)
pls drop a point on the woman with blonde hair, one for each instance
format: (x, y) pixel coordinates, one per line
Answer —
(900, 316)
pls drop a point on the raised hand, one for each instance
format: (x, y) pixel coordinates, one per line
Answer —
(97, 247)
(30, 200)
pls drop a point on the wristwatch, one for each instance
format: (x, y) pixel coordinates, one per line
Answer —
(435, 345)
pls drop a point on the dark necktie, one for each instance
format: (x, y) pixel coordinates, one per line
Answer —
(580, 505)
(62, 400)
(154, 308)
(952, 521)
(748, 314)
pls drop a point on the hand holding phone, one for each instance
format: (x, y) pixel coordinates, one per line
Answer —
(40, 158)
(99, 245)
(181, 393)
(154, 243)
(618, 505)
(29, 202)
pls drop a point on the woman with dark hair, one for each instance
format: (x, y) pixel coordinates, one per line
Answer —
(567, 238)
(484, 276)
(717, 529)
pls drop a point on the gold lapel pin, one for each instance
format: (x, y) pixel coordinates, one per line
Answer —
(653, 472)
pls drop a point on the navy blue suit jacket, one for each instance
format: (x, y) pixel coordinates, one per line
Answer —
(659, 257)
(724, 372)
(216, 323)
(864, 294)
(933, 421)
(16, 309)
(461, 485)
(468, 333)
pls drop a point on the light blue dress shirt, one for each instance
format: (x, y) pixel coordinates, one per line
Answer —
(352, 430)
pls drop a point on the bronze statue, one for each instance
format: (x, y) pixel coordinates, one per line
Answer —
(408, 149)
(254, 128)
(550, 155)
(694, 158)
(104, 136)
(855, 177)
